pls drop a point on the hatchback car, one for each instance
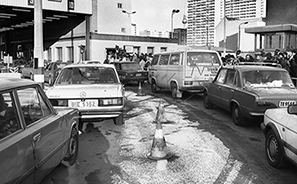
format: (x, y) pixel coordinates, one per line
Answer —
(130, 72)
(34, 136)
(248, 91)
(280, 129)
(94, 89)
(52, 70)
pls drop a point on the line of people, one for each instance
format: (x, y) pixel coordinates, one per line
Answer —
(287, 60)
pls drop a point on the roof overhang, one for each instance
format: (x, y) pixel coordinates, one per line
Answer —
(272, 28)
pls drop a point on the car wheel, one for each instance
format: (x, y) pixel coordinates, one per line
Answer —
(273, 150)
(119, 120)
(237, 117)
(154, 86)
(206, 102)
(72, 151)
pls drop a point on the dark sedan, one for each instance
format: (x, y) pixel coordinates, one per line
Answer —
(248, 91)
(130, 72)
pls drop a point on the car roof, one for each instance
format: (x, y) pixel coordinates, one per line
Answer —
(187, 51)
(9, 83)
(88, 65)
(254, 67)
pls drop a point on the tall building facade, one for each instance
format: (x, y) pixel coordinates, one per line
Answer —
(205, 15)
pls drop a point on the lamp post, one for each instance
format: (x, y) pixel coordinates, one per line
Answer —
(173, 12)
(134, 25)
(129, 13)
(238, 44)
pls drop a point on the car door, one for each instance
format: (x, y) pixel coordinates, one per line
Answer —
(162, 76)
(214, 90)
(291, 134)
(16, 150)
(228, 89)
(47, 130)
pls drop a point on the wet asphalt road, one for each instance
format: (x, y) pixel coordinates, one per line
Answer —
(99, 158)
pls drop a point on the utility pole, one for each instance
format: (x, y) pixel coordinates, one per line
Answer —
(38, 43)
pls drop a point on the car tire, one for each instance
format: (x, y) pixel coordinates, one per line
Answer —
(72, 150)
(237, 116)
(119, 120)
(206, 102)
(154, 87)
(274, 151)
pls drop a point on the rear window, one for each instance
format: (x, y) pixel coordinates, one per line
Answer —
(87, 75)
(130, 66)
(198, 58)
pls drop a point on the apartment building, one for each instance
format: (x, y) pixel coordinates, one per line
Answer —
(205, 15)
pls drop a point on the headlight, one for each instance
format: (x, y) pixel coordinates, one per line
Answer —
(57, 102)
(188, 82)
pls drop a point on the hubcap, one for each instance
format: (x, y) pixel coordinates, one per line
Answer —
(72, 146)
(272, 149)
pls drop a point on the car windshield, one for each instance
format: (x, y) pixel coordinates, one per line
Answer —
(130, 66)
(87, 75)
(264, 78)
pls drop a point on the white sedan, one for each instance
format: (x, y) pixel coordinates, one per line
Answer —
(94, 89)
(280, 129)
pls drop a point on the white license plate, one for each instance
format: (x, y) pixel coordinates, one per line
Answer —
(83, 104)
(138, 74)
(286, 103)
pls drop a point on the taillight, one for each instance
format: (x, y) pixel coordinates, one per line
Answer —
(57, 102)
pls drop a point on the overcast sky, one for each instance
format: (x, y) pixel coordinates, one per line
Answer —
(156, 14)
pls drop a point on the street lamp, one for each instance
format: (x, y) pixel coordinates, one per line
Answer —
(238, 46)
(173, 12)
(129, 13)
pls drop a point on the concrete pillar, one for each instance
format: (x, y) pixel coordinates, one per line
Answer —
(38, 42)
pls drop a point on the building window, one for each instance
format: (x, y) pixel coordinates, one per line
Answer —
(150, 50)
(163, 49)
(70, 53)
(123, 30)
(59, 54)
(120, 5)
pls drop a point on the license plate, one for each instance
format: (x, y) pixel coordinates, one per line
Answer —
(83, 104)
(286, 103)
(138, 74)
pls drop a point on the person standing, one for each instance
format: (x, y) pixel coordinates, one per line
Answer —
(293, 63)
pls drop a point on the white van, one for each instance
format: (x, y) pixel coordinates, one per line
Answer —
(183, 71)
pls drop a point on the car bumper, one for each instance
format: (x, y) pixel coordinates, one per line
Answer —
(134, 79)
(100, 114)
(262, 126)
(193, 89)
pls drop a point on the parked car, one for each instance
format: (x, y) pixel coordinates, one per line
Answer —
(280, 130)
(52, 70)
(130, 72)
(34, 136)
(248, 91)
(28, 70)
(94, 89)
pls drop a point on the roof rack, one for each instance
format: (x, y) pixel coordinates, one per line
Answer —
(261, 64)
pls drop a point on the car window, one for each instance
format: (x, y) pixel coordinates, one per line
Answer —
(87, 75)
(196, 58)
(164, 59)
(266, 78)
(221, 76)
(155, 60)
(33, 105)
(9, 122)
(174, 59)
(129, 66)
(230, 77)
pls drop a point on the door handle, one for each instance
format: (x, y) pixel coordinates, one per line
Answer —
(232, 90)
(36, 137)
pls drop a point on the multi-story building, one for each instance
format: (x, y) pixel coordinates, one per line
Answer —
(205, 15)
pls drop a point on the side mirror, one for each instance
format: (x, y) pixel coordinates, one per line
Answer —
(292, 109)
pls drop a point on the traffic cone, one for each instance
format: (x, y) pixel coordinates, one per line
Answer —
(139, 92)
(159, 149)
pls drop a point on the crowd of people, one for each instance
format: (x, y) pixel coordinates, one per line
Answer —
(144, 60)
(287, 60)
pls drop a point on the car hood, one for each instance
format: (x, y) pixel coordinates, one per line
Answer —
(279, 115)
(275, 92)
(76, 91)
